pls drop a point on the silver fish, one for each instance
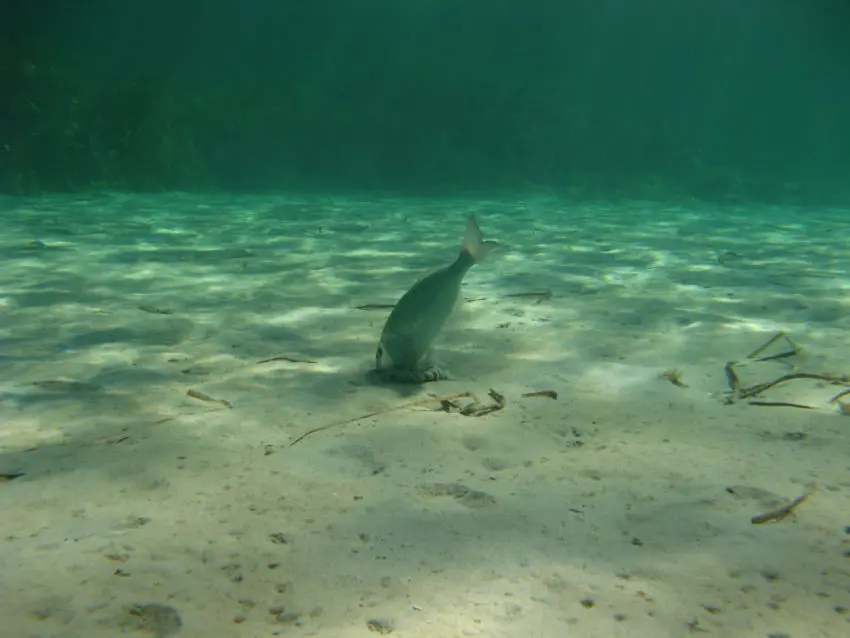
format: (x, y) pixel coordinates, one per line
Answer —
(404, 352)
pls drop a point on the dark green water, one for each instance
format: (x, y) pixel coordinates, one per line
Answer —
(667, 99)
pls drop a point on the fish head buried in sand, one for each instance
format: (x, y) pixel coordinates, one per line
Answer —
(404, 353)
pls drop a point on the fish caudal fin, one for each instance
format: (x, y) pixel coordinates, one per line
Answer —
(474, 243)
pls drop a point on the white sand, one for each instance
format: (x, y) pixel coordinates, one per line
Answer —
(615, 493)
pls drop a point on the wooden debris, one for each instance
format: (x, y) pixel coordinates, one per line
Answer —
(838, 396)
(843, 408)
(113, 439)
(781, 513)
(674, 376)
(60, 385)
(779, 335)
(412, 404)
(551, 394)
(475, 408)
(449, 403)
(738, 392)
(155, 311)
(284, 357)
(539, 296)
(499, 402)
(375, 306)
(204, 397)
(781, 404)
(761, 387)
(732, 378)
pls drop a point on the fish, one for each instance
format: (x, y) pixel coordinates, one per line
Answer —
(404, 351)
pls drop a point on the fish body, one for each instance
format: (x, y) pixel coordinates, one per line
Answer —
(404, 352)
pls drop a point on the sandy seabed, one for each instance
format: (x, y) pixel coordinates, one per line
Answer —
(620, 509)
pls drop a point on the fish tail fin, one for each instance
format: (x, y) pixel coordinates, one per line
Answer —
(474, 243)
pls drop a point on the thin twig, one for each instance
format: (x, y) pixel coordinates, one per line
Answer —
(780, 404)
(200, 396)
(779, 335)
(284, 357)
(412, 404)
(551, 394)
(375, 306)
(841, 394)
(732, 378)
(761, 387)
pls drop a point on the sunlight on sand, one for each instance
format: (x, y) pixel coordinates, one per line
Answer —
(621, 508)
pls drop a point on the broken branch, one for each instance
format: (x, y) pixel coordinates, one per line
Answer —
(412, 404)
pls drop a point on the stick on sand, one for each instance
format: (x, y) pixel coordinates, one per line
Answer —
(413, 404)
